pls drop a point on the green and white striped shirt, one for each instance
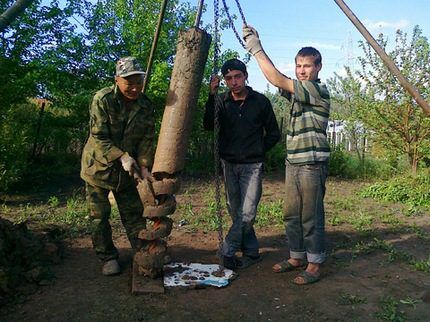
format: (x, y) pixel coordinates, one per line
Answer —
(306, 131)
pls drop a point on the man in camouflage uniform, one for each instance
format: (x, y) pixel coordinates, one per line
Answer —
(119, 149)
(307, 157)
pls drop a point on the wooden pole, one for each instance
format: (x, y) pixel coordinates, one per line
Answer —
(385, 58)
(154, 45)
(199, 14)
(7, 17)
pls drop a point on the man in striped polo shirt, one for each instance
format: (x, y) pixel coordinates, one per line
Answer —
(307, 157)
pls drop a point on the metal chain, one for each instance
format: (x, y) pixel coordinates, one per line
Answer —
(240, 11)
(216, 37)
(231, 20)
(216, 140)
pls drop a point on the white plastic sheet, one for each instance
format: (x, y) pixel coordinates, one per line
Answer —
(195, 274)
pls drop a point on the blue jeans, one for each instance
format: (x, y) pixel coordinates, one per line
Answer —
(304, 210)
(243, 188)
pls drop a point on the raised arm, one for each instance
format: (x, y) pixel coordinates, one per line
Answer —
(272, 74)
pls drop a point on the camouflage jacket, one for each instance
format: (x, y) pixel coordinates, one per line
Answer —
(115, 129)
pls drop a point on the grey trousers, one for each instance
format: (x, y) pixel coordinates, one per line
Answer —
(304, 211)
(243, 188)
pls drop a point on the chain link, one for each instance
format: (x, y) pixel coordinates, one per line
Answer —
(241, 12)
(239, 38)
(216, 140)
(216, 37)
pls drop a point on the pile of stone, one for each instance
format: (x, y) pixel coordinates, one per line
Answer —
(26, 258)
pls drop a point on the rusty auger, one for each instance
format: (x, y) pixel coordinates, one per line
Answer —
(159, 202)
(158, 195)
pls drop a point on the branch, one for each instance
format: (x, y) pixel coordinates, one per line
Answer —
(7, 17)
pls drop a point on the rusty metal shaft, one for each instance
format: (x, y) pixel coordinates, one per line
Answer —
(385, 58)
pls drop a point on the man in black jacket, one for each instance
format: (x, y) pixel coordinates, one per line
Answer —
(248, 129)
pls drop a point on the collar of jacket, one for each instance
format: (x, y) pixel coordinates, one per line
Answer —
(118, 95)
(229, 97)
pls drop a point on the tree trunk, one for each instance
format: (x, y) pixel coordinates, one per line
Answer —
(7, 17)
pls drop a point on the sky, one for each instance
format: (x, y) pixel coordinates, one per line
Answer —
(285, 26)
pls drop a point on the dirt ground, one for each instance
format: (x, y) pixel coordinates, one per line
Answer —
(363, 286)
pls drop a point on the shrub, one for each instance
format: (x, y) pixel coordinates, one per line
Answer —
(275, 158)
(410, 190)
(347, 165)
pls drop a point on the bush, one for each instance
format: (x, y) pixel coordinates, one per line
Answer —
(410, 190)
(16, 137)
(275, 158)
(338, 162)
(347, 165)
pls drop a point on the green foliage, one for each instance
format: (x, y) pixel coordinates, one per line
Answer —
(362, 221)
(373, 99)
(53, 201)
(275, 158)
(17, 132)
(205, 219)
(392, 253)
(71, 215)
(338, 162)
(270, 213)
(346, 165)
(423, 265)
(390, 310)
(410, 190)
(64, 52)
(410, 301)
(350, 299)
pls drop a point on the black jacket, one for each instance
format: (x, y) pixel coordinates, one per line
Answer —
(247, 131)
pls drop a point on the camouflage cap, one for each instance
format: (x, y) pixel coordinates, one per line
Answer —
(128, 66)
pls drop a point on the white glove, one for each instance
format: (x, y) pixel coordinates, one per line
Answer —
(252, 41)
(129, 164)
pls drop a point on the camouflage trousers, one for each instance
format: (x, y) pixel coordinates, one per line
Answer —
(130, 210)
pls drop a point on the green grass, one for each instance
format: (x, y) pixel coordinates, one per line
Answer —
(413, 191)
(390, 310)
(390, 219)
(418, 231)
(392, 254)
(71, 216)
(347, 204)
(270, 213)
(423, 265)
(350, 299)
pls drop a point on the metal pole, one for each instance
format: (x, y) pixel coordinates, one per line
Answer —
(385, 58)
(199, 14)
(154, 45)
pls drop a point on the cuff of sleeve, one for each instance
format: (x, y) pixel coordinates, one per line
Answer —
(114, 154)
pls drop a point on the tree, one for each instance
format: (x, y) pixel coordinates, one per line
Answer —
(384, 107)
(348, 102)
(64, 51)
